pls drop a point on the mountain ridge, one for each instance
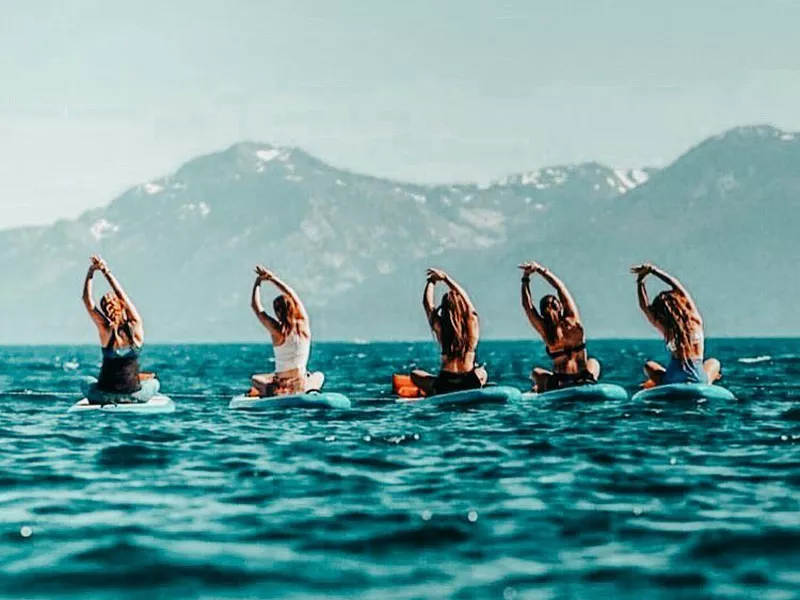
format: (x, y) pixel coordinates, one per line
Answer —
(356, 245)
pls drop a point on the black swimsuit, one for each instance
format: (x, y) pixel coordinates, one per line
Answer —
(566, 351)
(448, 381)
(119, 373)
(559, 381)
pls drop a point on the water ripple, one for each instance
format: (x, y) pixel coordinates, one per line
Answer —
(544, 500)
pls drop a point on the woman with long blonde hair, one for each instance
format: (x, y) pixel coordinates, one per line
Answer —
(121, 337)
(675, 315)
(455, 326)
(291, 340)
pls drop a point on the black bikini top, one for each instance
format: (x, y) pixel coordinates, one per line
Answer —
(566, 351)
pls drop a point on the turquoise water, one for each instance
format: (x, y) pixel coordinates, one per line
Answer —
(616, 500)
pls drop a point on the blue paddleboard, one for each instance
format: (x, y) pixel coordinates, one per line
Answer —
(488, 395)
(591, 393)
(157, 405)
(307, 400)
(685, 391)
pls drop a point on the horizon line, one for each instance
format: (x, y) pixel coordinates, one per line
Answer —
(395, 341)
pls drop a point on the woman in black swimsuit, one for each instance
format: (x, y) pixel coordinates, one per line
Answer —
(121, 338)
(454, 324)
(559, 324)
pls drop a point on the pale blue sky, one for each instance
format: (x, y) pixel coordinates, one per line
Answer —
(97, 95)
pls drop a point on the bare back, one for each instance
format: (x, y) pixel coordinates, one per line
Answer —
(563, 349)
(694, 347)
(465, 363)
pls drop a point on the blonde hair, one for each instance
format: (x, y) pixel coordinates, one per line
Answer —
(288, 314)
(113, 310)
(673, 311)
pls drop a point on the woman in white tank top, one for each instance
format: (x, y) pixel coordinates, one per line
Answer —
(291, 341)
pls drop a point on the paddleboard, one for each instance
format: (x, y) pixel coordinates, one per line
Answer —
(685, 391)
(307, 400)
(487, 395)
(593, 392)
(157, 405)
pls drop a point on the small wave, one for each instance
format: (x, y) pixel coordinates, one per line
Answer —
(39, 393)
(132, 455)
(721, 544)
(751, 360)
(424, 536)
(793, 414)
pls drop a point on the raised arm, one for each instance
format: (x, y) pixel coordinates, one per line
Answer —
(454, 286)
(641, 272)
(284, 288)
(570, 308)
(88, 300)
(134, 318)
(429, 302)
(673, 282)
(528, 306)
(133, 314)
(267, 321)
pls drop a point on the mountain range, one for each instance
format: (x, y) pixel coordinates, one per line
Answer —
(722, 217)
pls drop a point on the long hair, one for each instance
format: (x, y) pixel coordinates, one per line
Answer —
(552, 312)
(671, 308)
(288, 314)
(454, 320)
(114, 311)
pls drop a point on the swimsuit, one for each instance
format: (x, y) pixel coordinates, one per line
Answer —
(559, 381)
(119, 373)
(685, 370)
(448, 381)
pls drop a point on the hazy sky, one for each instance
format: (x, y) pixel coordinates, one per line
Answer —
(97, 95)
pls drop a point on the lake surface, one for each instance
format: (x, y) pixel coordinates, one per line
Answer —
(531, 500)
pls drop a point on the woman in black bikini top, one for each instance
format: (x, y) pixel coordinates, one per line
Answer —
(454, 324)
(559, 323)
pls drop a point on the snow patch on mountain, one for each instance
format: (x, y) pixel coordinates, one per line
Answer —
(541, 179)
(201, 208)
(622, 177)
(482, 218)
(266, 156)
(151, 188)
(624, 180)
(102, 228)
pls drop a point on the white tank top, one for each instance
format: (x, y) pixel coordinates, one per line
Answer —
(292, 353)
